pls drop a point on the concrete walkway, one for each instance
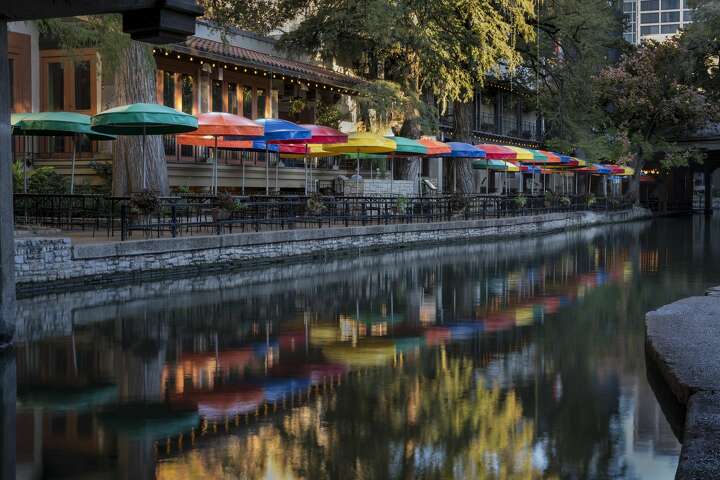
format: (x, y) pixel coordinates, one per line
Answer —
(683, 342)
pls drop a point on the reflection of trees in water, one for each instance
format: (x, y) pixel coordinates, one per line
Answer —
(430, 417)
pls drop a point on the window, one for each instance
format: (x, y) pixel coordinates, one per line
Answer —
(670, 4)
(628, 7)
(649, 18)
(217, 100)
(82, 85)
(247, 102)
(672, 28)
(169, 89)
(188, 87)
(56, 86)
(687, 16)
(646, 5)
(650, 30)
(260, 103)
(629, 37)
(670, 17)
(232, 98)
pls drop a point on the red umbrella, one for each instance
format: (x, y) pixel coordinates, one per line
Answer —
(319, 134)
(497, 152)
(219, 124)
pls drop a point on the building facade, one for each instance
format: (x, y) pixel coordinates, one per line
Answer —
(654, 19)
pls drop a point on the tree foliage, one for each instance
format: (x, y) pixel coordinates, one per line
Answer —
(441, 48)
(576, 40)
(650, 101)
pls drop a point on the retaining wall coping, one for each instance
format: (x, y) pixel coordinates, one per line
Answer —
(206, 242)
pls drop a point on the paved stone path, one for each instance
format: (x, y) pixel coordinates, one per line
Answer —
(683, 341)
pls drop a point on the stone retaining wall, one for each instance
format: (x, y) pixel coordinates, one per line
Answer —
(44, 262)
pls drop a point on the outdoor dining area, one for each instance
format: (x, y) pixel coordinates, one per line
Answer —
(507, 180)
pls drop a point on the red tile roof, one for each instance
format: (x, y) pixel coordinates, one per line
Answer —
(222, 52)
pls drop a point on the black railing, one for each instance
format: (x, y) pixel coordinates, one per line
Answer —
(195, 214)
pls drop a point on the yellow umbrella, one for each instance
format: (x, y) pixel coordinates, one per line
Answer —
(524, 316)
(313, 150)
(364, 142)
(367, 353)
(522, 154)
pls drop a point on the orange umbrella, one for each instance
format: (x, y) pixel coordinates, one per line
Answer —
(434, 147)
(220, 124)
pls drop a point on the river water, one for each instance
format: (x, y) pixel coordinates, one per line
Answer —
(514, 359)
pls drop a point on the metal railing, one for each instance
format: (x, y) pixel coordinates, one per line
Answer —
(118, 217)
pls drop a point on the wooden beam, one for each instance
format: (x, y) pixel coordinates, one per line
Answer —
(38, 9)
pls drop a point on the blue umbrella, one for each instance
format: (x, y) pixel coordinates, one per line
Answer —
(274, 389)
(462, 150)
(281, 131)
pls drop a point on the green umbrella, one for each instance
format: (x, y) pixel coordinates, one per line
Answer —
(56, 124)
(144, 119)
(405, 147)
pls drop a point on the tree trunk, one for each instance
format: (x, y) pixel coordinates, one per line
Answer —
(409, 168)
(461, 168)
(135, 83)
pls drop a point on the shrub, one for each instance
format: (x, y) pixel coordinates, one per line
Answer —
(145, 202)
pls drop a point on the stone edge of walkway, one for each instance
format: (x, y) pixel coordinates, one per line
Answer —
(683, 342)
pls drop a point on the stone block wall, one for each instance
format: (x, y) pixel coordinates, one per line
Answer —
(42, 263)
(380, 187)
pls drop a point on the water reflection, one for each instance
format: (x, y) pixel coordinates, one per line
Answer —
(517, 359)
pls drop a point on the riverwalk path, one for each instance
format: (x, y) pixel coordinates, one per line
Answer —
(683, 344)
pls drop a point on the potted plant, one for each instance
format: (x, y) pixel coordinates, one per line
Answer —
(565, 201)
(457, 204)
(589, 200)
(520, 201)
(314, 204)
(401, 205)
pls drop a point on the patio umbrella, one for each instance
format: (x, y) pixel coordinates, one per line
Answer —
(364, 142)
(404, 147)
(55, 124)
(321, 135)
(462, 150)
(215, 125)
(498, 152)
(434, 147)
(248, 146)
(281, 131)
(143, 119)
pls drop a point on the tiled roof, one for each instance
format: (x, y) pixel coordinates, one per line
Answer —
(222, 52)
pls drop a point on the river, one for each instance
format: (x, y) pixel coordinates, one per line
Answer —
(515, 359)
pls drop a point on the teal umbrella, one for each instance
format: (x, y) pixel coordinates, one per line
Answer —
(143, 119)
(405, 147)
(56, 124)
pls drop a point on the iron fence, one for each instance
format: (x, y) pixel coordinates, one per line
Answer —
(204, 214)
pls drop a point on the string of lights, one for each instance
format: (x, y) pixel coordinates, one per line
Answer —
(254, 71)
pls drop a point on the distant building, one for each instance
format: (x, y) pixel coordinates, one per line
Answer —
(654, 19)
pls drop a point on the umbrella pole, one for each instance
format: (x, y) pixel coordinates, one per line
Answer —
(487, 176)
(144, 160)
(215, 166)
(277, 166)
(357, 178)
(267, 171)
(242, 158)
(392, 172)
(305, 168)
(72, 167)
(25, 160)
